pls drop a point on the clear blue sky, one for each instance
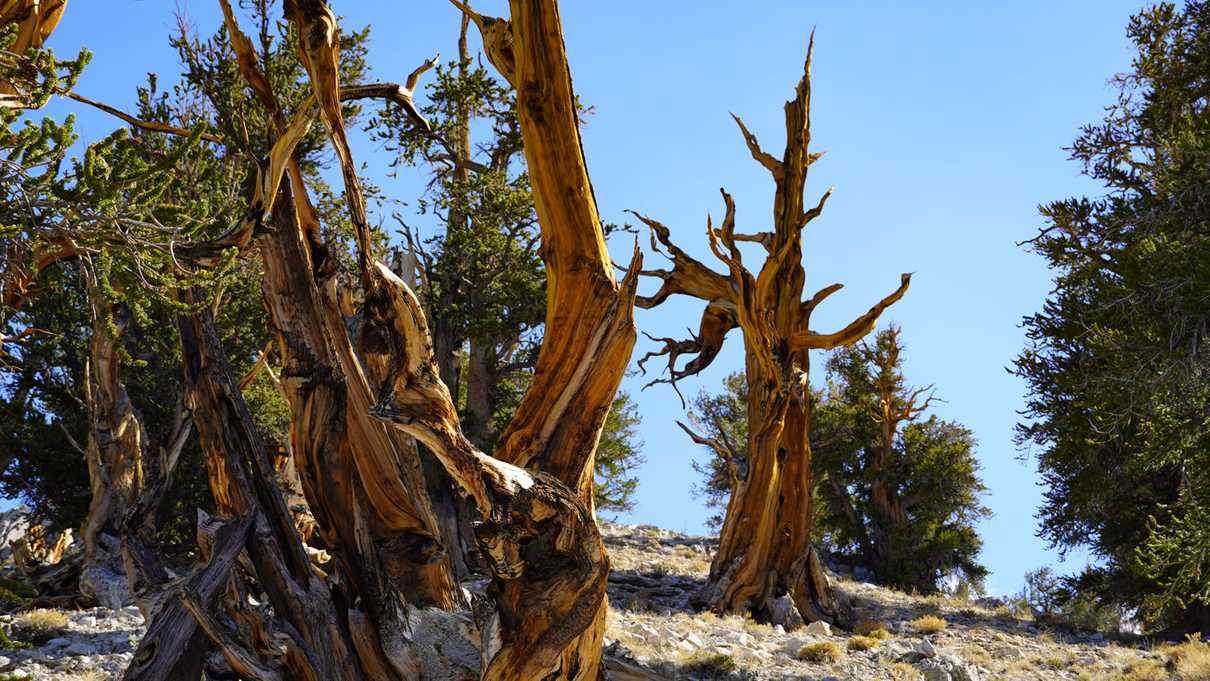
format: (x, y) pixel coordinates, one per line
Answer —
(944, 125)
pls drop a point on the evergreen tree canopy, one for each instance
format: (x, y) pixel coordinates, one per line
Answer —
(1116, 362)
(904, 508)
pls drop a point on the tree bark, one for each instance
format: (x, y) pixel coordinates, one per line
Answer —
(354, 398)
(114, 453)
(764, 546)
(353, 469)
(479, 382)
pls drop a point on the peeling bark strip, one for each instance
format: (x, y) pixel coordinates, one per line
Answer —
(764, 546)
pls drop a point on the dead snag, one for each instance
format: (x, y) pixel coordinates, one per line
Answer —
(764, 548)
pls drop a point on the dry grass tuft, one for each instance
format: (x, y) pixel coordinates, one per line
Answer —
(1143, 670)
(1057, 661)
(43, 620)
(1189, 661)
(902, 671)
(977, 654)
(928, 624)
(823, 652)
(867, 627)
(39, 626)
(862, 643)
(711, 666)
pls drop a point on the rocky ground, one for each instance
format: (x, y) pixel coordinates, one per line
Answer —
(653, 629)
(82, 645)
(929, 639)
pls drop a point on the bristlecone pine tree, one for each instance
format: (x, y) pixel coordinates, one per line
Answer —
(70, 216)
(764, 550)
(899, 489)
(361, 380)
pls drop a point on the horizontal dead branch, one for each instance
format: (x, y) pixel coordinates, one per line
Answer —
(688, 275)
(152, 126)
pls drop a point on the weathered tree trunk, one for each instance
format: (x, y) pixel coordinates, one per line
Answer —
(353, 469)
(589, 330)
(479, 382)
(764, 545)
(538, 534)
(129, 473)
(114, 454)
(540, 542)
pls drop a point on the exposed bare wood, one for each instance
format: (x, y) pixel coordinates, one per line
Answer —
(588, 338)
(173, 647)
(589, 331)
(540, 542)
(855, 331)
(356, 398)
(116, 449)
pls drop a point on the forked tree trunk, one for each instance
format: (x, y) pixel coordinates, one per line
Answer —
(354, 471)
(764, 546)
(540, 543)
(589, 329)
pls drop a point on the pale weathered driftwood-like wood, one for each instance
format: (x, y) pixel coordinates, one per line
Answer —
(764, 546)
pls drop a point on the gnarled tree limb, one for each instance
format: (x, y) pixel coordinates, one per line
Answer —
(855, 330)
